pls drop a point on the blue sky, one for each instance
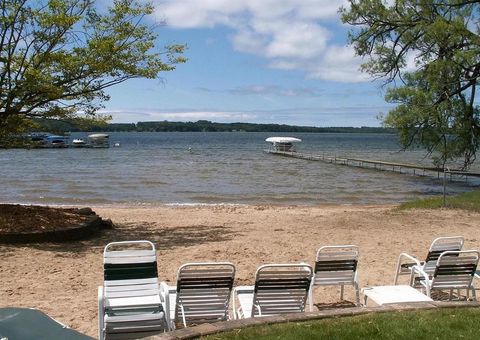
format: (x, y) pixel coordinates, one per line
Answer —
(259, 61)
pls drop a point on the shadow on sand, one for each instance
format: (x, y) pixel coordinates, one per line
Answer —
(163, 238)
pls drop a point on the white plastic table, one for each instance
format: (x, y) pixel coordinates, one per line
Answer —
(384, 295)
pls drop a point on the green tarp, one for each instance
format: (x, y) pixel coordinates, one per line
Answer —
(32, 324)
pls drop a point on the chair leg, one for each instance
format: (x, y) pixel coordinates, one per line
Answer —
(310, 299)
(474, 294)
(166, 323)
(183, 315)
(412, 278)
(341, 292)
(357, 293)
(450, 295)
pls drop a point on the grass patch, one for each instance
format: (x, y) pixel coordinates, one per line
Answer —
(467, 201)
(441, 324)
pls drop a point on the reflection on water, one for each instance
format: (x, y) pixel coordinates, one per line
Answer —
(165, 168)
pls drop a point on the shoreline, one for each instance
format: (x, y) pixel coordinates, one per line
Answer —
(62, 279)
(154, 205)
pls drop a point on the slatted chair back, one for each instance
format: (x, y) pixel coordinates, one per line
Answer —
(336, 265)
(455, 269)
(443, 244)
(281, 288)
(129, 303)
(130, 269)
(203, 292)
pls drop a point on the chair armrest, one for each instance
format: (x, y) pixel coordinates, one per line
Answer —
(234, 295)
(165, 300)
(401, 258)
(419, 271)
(101, 312)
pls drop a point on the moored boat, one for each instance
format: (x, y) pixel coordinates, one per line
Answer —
(99, 140)
(79, 143)
(56, 142)
(285, 144)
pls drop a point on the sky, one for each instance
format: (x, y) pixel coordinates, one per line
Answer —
(257, 61)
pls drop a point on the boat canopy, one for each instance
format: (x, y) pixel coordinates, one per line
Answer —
(282, 140)
(98, 135)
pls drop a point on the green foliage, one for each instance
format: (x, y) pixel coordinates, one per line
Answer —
(444, 324)
(58, 56)
(75, 124)
(432, 48)
(466, 201)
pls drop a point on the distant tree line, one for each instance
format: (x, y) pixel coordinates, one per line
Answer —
(60, 127)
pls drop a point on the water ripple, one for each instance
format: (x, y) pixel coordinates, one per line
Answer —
(158, 168)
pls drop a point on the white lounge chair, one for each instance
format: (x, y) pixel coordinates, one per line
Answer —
(202, 293)
(129, 303)
(406, 262)
(336, 266)
(279, 289)
(453, 270)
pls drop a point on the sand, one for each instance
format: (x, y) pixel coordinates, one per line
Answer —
(62, 279)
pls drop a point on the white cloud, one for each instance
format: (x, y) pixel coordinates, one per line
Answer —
(340, 63)
(291, 34)
(275, 91)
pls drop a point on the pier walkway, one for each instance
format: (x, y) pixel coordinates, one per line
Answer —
(404, 168)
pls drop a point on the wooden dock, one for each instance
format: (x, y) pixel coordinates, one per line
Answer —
(413, 169)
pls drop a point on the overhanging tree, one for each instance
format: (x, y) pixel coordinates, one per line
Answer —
(429, 52)
(58, 56)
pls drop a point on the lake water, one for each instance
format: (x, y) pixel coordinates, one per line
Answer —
(212, 168)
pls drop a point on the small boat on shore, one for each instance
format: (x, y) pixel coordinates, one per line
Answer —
(285, 144)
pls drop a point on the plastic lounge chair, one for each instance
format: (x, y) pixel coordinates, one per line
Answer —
(32, 324)
(336, 266)
(453, 270)
(406, 262)
(129, 304)
(279, 289)
(202, 293)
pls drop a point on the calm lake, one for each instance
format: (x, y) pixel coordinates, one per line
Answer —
(212, 168)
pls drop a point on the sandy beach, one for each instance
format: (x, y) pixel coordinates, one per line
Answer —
(62, 279)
